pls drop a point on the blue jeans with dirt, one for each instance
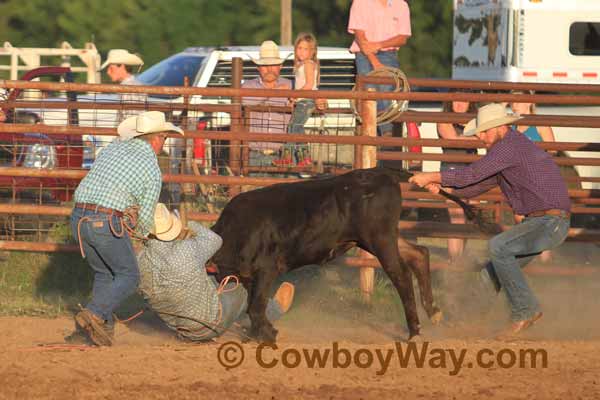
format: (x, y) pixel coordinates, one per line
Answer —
(112, 258)
(303, 109)
(512, 250)
(363, 67)
(234, 306)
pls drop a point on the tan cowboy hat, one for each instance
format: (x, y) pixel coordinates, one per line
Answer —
(167, 226)
(268, 54)
(488, 117)
(121, 56)
(145, 123)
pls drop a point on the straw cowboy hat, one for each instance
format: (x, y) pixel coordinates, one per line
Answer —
(167, 226)
(121, 56)
(488, 117)
(145, 123)
(268, 54)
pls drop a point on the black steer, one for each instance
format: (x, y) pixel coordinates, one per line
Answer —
(269, 231)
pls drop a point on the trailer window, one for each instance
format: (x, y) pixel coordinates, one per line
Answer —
(584, 39)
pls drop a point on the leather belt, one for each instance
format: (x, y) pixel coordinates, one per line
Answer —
(103, 210)
(555, 212)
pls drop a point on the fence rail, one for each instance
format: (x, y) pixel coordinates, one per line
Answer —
(227, 136)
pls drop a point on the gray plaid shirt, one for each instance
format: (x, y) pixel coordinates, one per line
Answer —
(173, 279)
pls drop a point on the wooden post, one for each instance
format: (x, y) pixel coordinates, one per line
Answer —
(187, 188)
(358, 158)
(368, 113)
(235, 151)
(245, 148)
(286, 22)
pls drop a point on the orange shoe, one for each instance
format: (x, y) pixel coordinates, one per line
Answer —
(284, 296)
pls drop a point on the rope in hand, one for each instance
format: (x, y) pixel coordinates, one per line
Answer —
(396, 107)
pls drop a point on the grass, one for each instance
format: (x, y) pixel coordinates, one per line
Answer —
(42, 284)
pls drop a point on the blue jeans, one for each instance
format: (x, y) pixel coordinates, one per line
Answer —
(112, 258)
(302, 112)
(234, 305)
(363, 67)
(512, 250)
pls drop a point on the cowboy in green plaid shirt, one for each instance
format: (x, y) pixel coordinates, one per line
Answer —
(125, 181)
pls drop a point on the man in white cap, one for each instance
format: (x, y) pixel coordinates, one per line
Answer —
(269, 67)
(174, 281)
(533, 186)
(114, 201)
(120, 65)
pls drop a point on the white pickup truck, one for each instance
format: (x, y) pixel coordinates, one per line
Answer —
(212, 67)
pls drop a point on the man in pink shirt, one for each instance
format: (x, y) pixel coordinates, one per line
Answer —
(380, 28)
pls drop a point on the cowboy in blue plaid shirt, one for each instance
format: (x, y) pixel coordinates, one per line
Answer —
(175, 283)
(118, 195)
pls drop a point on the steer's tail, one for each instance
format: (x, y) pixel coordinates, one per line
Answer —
(472, 213)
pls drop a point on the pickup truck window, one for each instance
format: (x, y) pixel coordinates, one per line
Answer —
(171, 71)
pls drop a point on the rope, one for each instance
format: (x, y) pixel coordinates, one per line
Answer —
(396, 107)
(128, 223)
(215, 327)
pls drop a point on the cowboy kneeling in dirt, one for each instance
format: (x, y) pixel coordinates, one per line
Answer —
(175, 283)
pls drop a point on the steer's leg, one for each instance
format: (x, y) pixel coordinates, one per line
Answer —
(262, 330)
(417, 258)
(387, 253)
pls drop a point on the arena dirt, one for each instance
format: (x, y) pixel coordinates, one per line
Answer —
(149, 363)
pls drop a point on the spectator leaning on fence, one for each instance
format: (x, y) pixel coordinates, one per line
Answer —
(119, 66)
(380, 28)
(306, 70)
(114, 201)
(174, 281)
(269, 68)
(532, 184)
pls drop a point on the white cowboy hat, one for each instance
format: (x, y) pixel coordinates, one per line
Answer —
(167, 226)
(268, 54)
(121, 56)
(145, 123)
(488, 117)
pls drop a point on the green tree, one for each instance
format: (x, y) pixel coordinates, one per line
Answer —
(158, 28)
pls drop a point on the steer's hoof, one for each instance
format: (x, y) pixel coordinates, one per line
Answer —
(265, 334)
(437, 317)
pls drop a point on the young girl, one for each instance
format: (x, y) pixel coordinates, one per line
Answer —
(306, 68)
